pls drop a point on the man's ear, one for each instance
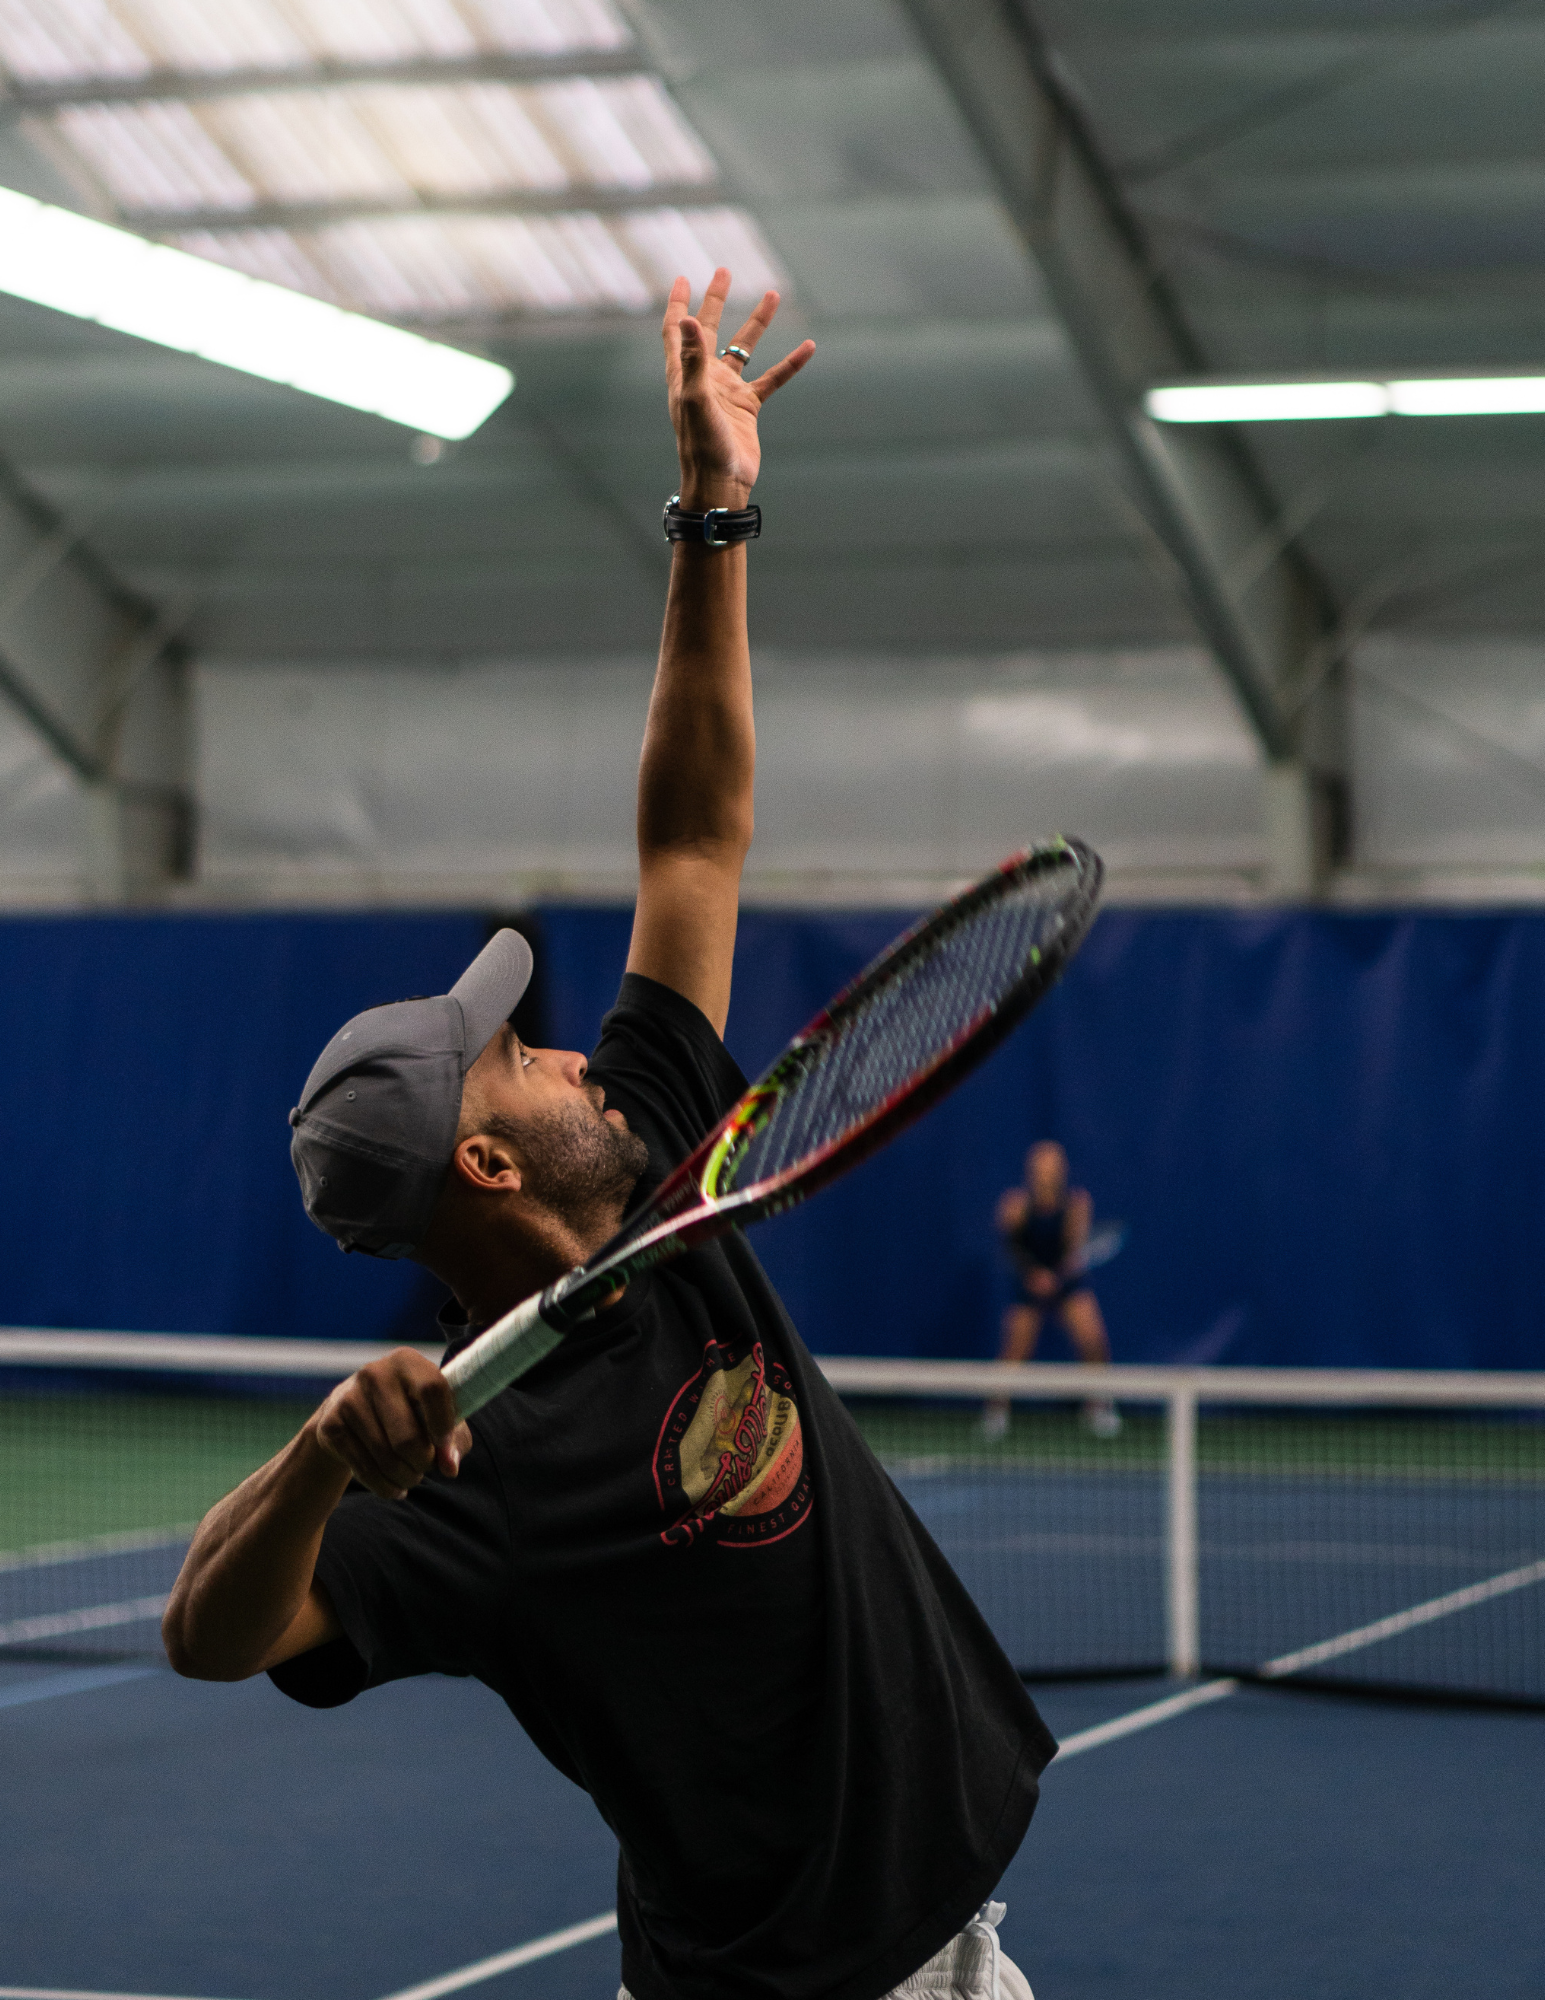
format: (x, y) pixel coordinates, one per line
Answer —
(485, 1162)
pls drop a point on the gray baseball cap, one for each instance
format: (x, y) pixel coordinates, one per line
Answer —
(375, 1128)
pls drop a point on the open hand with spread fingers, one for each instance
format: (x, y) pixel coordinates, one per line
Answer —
(713, 405)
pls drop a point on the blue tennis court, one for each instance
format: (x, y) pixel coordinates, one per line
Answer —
(165, 1838)
(1071, 1570)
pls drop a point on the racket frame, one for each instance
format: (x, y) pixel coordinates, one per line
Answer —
(685, 1210)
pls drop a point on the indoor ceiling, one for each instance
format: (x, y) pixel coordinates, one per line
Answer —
(1326, 183)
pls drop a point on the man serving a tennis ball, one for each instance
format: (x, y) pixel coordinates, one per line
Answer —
(666, 1547)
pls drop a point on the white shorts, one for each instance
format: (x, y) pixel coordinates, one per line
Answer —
(972, 1966)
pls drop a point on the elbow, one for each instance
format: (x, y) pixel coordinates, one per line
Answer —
(735, 837)
(186, 1657)
(182, 1655)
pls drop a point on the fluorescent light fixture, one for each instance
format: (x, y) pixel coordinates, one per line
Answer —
(1265, 402)
(1301, 402)
(74, 265)
(1470, 396)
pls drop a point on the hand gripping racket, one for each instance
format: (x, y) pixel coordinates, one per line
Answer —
(921, 1017)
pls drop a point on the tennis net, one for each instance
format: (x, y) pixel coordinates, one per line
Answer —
(112, 1447)
(1382, 1530)
(1372, 1529)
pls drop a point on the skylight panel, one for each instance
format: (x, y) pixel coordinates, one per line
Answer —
(49, 40)
(450, 140)
(666, 242)
(152, 156)
(409, 267)
(392, 144)
(549, 24)
(379, 30)
(55, 40)
(307, 146)
(481, 266)
(214, 35)
(646, 113)
(270, 254)
(434, 267)
(586, 133)
(609, 150)
(586, 252)
(545, 274)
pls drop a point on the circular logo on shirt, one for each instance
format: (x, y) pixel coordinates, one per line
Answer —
(730, 1462)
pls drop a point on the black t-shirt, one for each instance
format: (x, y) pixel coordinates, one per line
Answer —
(673, 1556)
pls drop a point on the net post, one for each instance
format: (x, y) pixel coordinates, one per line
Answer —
(1182, 1600)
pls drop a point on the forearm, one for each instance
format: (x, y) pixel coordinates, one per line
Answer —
(248, 1574)
(699, 758)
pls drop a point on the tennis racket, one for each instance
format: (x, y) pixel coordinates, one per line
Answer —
(1104, 1241)
(921, 1017)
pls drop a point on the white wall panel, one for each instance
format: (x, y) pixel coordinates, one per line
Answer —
(519, 780)
(1450, 748)
(878, 778)
(41, 820)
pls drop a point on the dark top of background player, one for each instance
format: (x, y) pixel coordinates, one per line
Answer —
(815, 1757)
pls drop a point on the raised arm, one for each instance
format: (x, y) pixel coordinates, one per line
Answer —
(696, 774)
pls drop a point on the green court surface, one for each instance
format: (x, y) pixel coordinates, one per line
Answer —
(74, 1467)
(1470, 1446)
(79, 1467)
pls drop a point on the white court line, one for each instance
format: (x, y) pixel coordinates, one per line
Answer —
(86, 1547)
(1144, 1718)
(1119, 1726)
(555, 1941)
(90, 1618)
(70, 1993)
(1306, 1656)
(506, 1961)
(80, 1682)
(1404, 1621)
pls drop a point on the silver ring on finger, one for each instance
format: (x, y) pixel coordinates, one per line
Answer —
(741, 354)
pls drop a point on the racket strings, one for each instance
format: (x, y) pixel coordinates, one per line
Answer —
(916, 1010)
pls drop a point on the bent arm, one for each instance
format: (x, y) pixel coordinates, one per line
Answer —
(247, 1596)
(1012, 1207)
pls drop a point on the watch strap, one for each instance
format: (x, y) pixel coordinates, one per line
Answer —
(717, 527)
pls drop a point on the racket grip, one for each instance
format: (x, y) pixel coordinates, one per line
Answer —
(500, 1354)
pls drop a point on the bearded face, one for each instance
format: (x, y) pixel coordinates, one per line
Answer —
(575, 1159)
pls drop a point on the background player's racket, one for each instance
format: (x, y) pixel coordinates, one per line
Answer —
(912, 1024)
(1104, 1241)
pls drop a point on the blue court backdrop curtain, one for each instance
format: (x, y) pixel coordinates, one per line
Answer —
(1326, 1132)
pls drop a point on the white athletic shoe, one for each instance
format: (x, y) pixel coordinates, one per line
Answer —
(1103, 1420)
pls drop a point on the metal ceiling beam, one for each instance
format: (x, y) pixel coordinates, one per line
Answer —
(506, 201)
(175, 86)
(97, 674)
(1258, 602)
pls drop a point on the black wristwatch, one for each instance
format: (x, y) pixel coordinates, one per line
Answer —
(719, 528)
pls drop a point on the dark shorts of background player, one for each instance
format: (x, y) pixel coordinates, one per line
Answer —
(1050, 1302)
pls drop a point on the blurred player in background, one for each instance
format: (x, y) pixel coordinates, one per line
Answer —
(1045, 1225)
